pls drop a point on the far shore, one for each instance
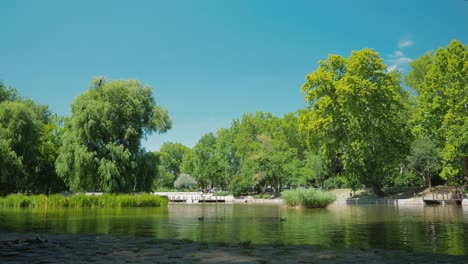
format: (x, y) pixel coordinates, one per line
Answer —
(343, 196)
(86, 248)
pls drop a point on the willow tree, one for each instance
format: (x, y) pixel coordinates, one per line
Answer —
(101, 140)
(356, 112)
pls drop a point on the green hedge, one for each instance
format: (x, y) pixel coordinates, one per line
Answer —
(82, 200)
(310, 198)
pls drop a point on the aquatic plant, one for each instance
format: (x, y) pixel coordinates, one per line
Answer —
(310, 198)
(82, 200)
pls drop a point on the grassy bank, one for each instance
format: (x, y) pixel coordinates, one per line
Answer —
(82, 200)
(309, 198)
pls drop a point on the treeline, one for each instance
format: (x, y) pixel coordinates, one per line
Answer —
(97, 148)
(364, 126)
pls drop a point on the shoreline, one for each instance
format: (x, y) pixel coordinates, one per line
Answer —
(342, 198)
(70, 248)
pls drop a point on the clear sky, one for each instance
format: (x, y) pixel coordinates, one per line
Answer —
(208, 61)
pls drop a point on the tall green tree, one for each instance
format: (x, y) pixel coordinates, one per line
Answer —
(424, 159)
(356, 112)
(19, 137)
(27, 145)
(101, 140)
(441, 109)
(207, 169)
(274, 163)
(172, 155)
(47, 181)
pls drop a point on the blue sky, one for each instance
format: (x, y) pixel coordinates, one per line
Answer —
(208, 61)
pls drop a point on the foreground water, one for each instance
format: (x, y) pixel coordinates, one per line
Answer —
(435, 229)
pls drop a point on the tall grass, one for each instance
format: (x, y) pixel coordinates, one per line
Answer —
(309, 198)
(82, 200)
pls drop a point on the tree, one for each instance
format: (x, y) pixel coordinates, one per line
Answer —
(28, 145)
(101, 140)
(227, 154)
(273, 160)
(185, 181)
(171, 156)
(8, 93)
(313, 170)
(19, 137)
(442, 105)
(424, 160)
(356, 112)
(146, 170)
(207, 169)
(419, 69)
(47, 181)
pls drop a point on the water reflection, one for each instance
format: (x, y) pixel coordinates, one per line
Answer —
(437, 229)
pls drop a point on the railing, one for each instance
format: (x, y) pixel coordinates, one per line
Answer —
(445, 195)
(195, 197)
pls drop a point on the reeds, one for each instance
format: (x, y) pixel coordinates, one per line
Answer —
(82, 200)
(310, 198)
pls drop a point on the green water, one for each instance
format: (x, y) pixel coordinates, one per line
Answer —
(436, 229)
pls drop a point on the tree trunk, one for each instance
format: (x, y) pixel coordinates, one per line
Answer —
(465, 168)
(428, 181)
(378, 190)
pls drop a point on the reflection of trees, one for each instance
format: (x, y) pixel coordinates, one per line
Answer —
(445, 227)
(428, 229)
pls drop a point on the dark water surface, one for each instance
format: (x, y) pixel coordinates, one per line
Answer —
(436, 229)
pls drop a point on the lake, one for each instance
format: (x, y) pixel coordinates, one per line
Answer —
(435, 229)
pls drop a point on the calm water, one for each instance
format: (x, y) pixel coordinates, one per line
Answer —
(437, 229)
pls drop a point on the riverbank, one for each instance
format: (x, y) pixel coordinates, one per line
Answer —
(63, 248)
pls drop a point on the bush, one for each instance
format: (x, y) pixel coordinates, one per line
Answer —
(407, 179)
(185, 181)
(336, 182)
(310, 198)
(83, 200)
(240, 185)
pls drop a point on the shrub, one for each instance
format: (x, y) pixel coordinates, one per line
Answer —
(407, 179)
(310, 198)
(185, 181)
(336, 182)
(240, 185)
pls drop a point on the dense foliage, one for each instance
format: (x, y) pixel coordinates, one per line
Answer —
(184, 181)
(356, 113)
(171, 156)
(361, 127)
(28, 145)
(100, 148)
(440, 81)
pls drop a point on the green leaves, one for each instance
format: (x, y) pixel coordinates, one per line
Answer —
(171, 156)
(355, 112)
(101, 141)
(441, 112)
